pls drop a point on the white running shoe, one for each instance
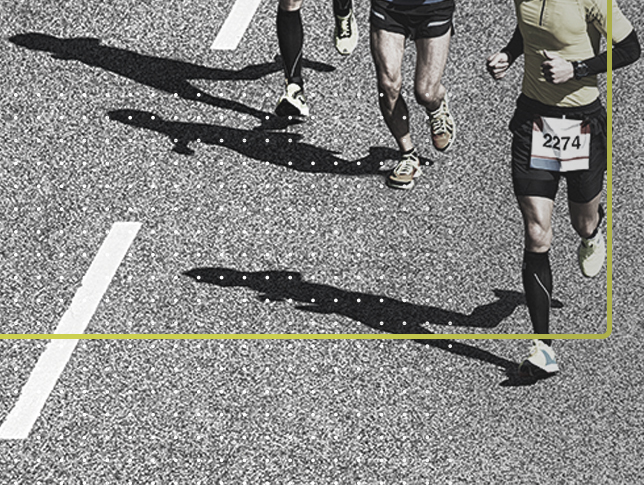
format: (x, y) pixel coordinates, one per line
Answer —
(292, 102)
(346, 33)
(541, 361)
(591, 254)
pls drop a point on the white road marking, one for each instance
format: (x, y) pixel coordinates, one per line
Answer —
(235, 25)
(53, 360)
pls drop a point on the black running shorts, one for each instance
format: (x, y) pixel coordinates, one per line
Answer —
(413, 21)
(583, 185)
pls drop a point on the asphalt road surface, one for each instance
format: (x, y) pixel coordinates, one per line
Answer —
(120, 112)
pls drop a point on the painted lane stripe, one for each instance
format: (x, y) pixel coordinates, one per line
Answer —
(235, 25)
(53, 360)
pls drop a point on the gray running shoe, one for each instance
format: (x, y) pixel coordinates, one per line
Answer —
(402, 177)
(442, 127)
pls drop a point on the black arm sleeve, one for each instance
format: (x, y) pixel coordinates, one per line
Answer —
(624, 53)
(514, 49)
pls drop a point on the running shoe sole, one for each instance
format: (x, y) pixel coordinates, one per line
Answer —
(527, 369)
(408, 186)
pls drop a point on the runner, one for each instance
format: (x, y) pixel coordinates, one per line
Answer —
(429, 24)
(290, 36)
(559, 129)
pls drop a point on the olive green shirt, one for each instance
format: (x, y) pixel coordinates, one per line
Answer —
(572, 29)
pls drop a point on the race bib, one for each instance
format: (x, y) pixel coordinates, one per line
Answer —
(560, 145)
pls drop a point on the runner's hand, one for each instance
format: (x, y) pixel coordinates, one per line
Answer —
(556, 69)
(498, 64)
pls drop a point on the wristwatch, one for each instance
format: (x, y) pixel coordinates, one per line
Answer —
(580, 68)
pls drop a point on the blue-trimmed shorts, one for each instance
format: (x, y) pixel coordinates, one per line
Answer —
(583, 185)
(413, 21)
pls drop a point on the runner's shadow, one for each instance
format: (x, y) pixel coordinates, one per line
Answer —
(167, 75)
(516, 380)
(278, 148)
(378, 312)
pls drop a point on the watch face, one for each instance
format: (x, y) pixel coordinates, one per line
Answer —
(581, 70)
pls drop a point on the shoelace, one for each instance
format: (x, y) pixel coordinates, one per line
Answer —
(407, 166)
(438, 121)
(589, 243)
(344, 27)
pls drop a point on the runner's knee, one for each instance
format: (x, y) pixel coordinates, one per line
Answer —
(389, 86)
(290, 5)
(538, 236)
(428, 94)
(585, 226)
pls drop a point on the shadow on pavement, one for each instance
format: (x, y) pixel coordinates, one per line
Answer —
(283, 149)
(516, 380)
(378, 312)
(167, 75)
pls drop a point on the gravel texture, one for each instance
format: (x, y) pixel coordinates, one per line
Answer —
(119, 111)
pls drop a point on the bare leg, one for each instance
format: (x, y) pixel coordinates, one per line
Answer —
(290, 5)
(537, 222)
(430, 63)
(387, 49)
(585, 217)
(430, 93)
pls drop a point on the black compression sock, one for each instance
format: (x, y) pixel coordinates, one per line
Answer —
(537, 284)
(341, 8)
(600, 210)
(290, 36)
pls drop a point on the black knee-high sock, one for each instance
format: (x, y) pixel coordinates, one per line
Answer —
(341, 8)
(537, 284)
(600, 211)
(290, 36)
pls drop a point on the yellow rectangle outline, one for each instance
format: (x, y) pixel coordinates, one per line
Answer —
(410, 336)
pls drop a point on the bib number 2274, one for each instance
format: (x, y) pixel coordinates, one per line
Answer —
(560, 145)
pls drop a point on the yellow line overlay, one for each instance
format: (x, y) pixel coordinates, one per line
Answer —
(295, 336)
(609, 175)
(409, 336)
